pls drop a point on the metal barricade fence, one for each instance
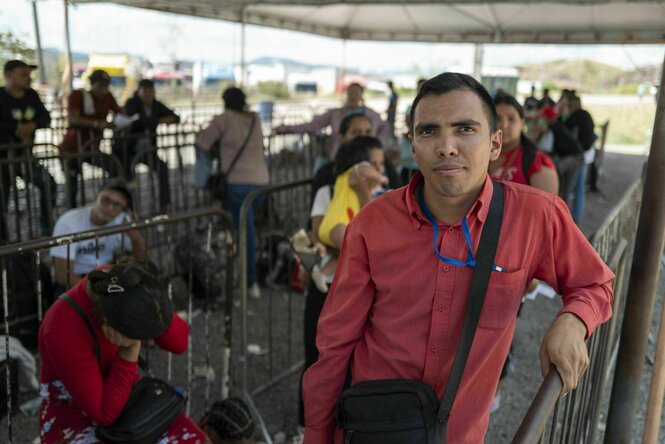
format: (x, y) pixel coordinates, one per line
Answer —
(194, 252)
(272, 348)
(575, 418)
(29, 212)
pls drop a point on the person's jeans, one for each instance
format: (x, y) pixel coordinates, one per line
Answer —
(236, 195)
(567, 168)
(580, 194)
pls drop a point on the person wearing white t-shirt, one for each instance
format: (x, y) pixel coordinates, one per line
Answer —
(112, 206)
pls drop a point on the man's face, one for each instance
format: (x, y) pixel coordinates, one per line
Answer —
(354, 94)
(453, 142)
(109, 204)
(146, 94)
(19, 78)
(99, 89)
(360, 126)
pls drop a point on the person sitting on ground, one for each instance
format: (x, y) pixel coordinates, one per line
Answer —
(21, 114)
(87, 114)
(228, 131)
(333, 118)
(125, 304)
(228, 422)
(518, 152)
(142, 135)
(112, 206)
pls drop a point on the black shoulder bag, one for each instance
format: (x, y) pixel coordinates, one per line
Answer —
(400, 411)
(218, 182)
(152, 406)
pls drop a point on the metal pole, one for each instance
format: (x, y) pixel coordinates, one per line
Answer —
(655, 406)
(68, 48)
(641, 290)
(479, 51)
(243, 63)
(40, 54)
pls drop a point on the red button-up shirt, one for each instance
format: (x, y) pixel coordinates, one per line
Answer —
(400, 310)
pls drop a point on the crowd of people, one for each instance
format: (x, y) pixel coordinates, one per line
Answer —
(387, 263)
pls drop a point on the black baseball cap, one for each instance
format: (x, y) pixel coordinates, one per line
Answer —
(11, 65)
(99, 75)
(119, 185)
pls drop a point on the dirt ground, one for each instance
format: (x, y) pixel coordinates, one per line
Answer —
(281, 314)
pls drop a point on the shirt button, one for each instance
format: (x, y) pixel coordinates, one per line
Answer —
(442, 308)
(446, 268)
(451, 229)
(434, 349)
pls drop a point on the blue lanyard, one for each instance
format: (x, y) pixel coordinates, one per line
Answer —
(470, 261)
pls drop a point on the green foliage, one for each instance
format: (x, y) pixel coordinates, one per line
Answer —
(12, 47)
(272, 90)
(630, 124)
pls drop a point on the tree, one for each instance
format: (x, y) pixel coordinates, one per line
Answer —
(12, 47)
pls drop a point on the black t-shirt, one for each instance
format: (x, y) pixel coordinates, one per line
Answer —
(13, 112)
(581, 122)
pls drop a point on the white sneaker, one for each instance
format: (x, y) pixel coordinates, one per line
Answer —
(254, 291)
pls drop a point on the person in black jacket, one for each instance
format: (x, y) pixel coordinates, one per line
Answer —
(141, 137)
(580, 123)
(567, 153)
(21, 114)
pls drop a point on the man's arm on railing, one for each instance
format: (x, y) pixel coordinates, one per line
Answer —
(564, 346)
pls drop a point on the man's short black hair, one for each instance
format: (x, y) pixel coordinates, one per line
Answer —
(453, 81)
(11, 65)
(146, 83)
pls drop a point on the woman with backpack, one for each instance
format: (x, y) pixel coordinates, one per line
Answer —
(520, 161)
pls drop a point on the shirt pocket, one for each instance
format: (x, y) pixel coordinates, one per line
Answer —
(504, 295)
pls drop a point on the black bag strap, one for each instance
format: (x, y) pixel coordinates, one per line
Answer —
(242, 148)
(75, 305)
(489, 239)
(78, 309)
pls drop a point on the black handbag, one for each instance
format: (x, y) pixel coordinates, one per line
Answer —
(152, 406)
(218, 182)
(397, 411)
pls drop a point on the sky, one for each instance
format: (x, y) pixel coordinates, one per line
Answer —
(118, 29)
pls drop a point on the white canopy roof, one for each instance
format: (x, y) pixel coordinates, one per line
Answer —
(474, 21)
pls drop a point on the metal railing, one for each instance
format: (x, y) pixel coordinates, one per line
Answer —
(170, 243)
(277, 346)
(575, 418)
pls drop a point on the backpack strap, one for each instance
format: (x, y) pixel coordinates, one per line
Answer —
(489, 240)
(78, 309)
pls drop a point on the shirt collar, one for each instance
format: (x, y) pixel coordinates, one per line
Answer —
(479, 209)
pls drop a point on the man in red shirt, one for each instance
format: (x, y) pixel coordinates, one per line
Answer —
(87, 113)
(396, 307)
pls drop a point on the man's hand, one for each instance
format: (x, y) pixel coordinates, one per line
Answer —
(25, 130)
(563, 346)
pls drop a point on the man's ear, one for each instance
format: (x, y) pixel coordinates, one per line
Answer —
(496, 141)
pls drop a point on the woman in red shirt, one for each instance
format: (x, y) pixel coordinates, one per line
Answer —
(509, 166)
(125, 305)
